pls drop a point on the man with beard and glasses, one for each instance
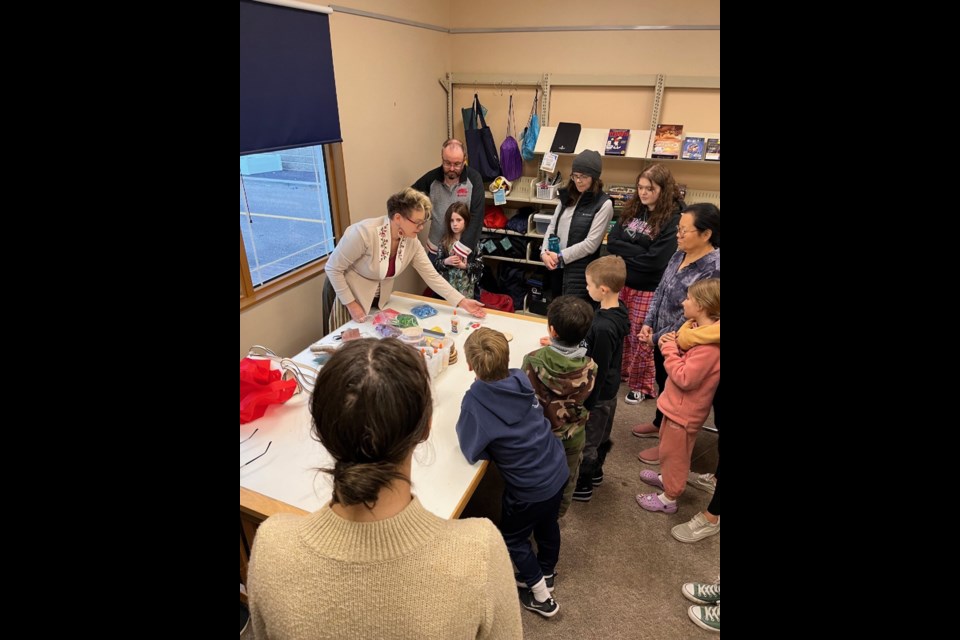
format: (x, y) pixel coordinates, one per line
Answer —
(453, 181)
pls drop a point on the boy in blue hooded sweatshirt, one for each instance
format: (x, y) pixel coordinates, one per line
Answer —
(502, 420)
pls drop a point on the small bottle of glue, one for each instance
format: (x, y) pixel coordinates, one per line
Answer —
(454, 323)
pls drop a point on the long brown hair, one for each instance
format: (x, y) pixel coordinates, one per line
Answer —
(595, 188)
(464, 211)
(666, 204)
(371, 406)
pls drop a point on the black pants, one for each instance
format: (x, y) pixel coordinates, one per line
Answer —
(599, 426)
(517, 520)
(714, 507)
(660, 374)
(555, 287)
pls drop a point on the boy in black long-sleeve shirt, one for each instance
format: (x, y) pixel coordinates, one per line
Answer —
(604, 343)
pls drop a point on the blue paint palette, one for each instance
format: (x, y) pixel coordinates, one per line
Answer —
(423, 311)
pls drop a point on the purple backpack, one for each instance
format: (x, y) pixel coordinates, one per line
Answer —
(511, 163)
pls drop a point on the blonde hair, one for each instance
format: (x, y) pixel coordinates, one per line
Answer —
(488, 353)
(706, 293)
(609, 272)
(407, 201)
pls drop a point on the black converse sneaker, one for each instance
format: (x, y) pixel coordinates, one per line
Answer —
(602, 452)
(547, 609)
(584, 489)
(597, 477)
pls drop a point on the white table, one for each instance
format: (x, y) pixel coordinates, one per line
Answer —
(286, 480)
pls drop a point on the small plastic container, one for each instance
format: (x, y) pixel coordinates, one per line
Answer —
(443, 347)
(541, 221)
(547, 193)
(411, 335)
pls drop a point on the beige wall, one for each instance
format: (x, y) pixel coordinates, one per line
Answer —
(528, 13)
(393, 109)
(287, 322)
(681, 53)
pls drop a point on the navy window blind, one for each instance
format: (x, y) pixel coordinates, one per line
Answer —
(288, 96)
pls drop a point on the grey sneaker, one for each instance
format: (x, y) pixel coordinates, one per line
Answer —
(547, 609)
(703, 481)
(701, 592)
(706, 617)
(697, 529)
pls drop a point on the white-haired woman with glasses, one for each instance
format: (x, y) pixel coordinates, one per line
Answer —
(697, 258)
(373, 252)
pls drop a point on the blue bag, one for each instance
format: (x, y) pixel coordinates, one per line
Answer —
(531, 132)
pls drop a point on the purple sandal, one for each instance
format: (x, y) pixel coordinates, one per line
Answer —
(651, 478)
(651, 502)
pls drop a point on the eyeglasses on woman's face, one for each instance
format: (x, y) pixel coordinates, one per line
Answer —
(682, 231)
(417, 223)
(578, 177)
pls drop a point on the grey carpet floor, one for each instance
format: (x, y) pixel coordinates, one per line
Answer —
(620, 570)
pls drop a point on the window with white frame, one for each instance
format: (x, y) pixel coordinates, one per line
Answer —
(285, 215)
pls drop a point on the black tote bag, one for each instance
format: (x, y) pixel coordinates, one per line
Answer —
(480, 146)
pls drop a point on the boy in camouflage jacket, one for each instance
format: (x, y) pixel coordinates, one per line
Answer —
(562, 376)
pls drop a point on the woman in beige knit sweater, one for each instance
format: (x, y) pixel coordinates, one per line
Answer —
(374, 563)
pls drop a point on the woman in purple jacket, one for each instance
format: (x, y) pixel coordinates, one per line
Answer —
(697, 257)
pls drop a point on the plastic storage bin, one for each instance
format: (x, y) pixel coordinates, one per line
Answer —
(541, 221)
(547, 193)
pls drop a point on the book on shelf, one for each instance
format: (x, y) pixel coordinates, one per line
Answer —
(617, 142)
(692, 148)
(666, 141)
(620, 194)
(565, 139)
(712, 149)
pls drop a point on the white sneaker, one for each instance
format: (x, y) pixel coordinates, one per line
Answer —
(634, 397)
(703, 481)
(697, 529)
(706, 617)
(701, 592)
